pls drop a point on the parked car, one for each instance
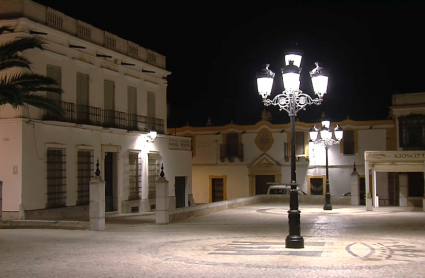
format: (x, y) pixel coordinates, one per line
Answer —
(282, 189)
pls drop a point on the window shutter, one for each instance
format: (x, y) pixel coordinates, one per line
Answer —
(109, 95)
(56, 74)
(132, 100)
(82, 89)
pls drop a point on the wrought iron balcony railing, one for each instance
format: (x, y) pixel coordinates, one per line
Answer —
(89, 115)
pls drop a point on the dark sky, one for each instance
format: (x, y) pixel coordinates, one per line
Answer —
(214, 48)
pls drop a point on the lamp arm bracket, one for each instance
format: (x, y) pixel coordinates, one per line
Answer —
(292, 101)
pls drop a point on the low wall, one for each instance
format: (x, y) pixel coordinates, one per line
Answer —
(187, 212)
(80, 212)
(184, 213)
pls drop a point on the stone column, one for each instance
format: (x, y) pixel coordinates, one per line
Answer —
(403, 190)
(97, 202)
(1, 203)
(162, 199)
(354, 185)
(191, 200)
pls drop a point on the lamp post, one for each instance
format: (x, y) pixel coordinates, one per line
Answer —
(325, 137)
(292, 100)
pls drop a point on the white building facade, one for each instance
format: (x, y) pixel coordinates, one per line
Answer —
(114, 94)
(235, 161)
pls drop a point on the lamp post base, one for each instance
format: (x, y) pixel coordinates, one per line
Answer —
(328, 204)
(327, 207)
(294, 241)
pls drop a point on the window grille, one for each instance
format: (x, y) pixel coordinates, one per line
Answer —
(54, 18)
(133, 50)
(56, 178)
(110, 41)
(85, 173)
(348, 139)
(83, 30)
(154, 171)
(316, 186)
(135, 176)
(412, 132)
(151, 57)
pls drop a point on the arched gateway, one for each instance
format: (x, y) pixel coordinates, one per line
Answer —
(392, 161)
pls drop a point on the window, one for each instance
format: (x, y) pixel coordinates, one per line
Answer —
(154, 171)
(151, 111)
(56, 177)
(232, 144)
(56, 74)
(412, 132)
(348, 142)
(135, 176)
(82, 97)
(299, 143)
(109, 102)
(109, 95)
(85, 173)
(316, 186)
(416, 184)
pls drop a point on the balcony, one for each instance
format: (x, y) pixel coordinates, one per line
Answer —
(230, 151)
(89, 115)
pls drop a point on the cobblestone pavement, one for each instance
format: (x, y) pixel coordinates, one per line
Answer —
(242, 242)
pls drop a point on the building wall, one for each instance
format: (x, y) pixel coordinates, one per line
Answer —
(370, 135)
(26, 137)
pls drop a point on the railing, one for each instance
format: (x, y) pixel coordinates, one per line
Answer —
(67, 107)
(55, 19)
(231, 151)
(84, 114)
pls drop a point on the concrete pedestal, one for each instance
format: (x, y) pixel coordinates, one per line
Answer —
(162, 202)
(1, 204)
(369, 204)
(97, 204)
(172, 202)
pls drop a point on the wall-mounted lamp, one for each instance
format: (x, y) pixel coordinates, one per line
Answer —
(152, 135)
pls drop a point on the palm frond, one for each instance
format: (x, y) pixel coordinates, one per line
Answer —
(44, 103)
(20, 62)
(4, 28)
(12, 95)
(28, 79)
(21, 44)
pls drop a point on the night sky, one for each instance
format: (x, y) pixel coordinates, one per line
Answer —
(214, 48)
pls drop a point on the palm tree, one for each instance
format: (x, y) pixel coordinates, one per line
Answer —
(22, 88)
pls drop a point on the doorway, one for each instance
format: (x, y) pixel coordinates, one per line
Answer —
(261, 186)
(110, 185)
(180, 191)
(217, 189)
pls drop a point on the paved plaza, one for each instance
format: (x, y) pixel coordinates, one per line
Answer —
(242, 242)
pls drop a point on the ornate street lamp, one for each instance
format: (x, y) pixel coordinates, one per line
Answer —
(292, 100)
(325, 137)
